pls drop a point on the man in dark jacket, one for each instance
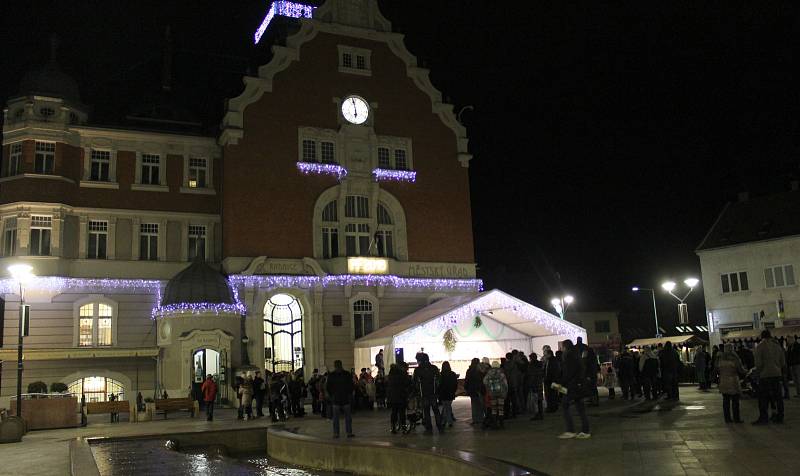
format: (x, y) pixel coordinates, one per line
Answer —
(473, 385)
(670, 368)
(426, 382)
(339, 386)
(626, 374)
(533, 378)
(259, 390)
(573, 379)
(552, 373)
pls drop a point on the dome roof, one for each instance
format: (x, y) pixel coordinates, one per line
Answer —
(50, 81)
(197, 284)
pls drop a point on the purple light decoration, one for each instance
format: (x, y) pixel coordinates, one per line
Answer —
(306, 282)
(394, 175)
(215, 308)
(309, 168)
(285, 9)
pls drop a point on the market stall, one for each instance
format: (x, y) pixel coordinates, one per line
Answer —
(459, 328)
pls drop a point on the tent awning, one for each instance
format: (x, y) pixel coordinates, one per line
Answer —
(452, 311)
(676, 340)
(10, 354)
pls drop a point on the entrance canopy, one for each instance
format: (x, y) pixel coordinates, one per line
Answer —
(487, 324)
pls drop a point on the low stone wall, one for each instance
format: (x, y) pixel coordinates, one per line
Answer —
(49, 413)
(379, 459)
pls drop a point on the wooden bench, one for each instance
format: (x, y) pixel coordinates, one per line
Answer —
(174, 404)
(115, 407)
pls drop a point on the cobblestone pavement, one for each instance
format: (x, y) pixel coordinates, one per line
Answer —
(631, 439)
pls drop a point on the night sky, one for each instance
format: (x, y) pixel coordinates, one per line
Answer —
(607, 137)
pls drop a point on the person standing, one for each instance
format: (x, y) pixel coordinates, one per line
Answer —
(426, 381)
(447, 393)
(339, 386)
(793, 361)
(379, 361)
(473, 385)
(397, 396)
(700, 363)
(729, 367)
(209, 389)
(648, 370)
(770, 365)
(670, 367)
(497, 391)
(259, 389)
(534, 377)
(625, 365)
(313, 389)
(573, 379)
(246, 391)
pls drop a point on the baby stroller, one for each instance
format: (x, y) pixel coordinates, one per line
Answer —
(413, 415)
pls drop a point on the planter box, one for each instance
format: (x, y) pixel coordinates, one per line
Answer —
(47, 413)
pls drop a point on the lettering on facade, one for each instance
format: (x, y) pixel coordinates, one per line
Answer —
(280, 267)
(439, 271)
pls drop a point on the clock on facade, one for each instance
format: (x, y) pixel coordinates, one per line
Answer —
(355, 110)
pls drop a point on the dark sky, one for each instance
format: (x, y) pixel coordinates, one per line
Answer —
(607, 135)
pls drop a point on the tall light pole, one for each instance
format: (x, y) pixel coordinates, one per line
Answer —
(636, 289)
(22, 273)
(560, 304)
(683, 309)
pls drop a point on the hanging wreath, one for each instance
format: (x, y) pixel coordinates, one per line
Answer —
(449, 341)
(477, 323)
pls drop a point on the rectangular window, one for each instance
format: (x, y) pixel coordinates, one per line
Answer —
(197, 242)
(330, 242)
(361, 62)
(347, 60)
(779, 276)
(151, 168)
(45, 157)
(15, 159)
(85, 332)
(362, 324)
(148, 242)
(356, 207)
(357, 239)
(602, 326)
(41, 227)
(309, 150)
(198, 171)
(734, 282)
(327, 152)
(383, 158)
(104, 335)
(101, 165)
(98, 239)
(400, 159)
(10, 237)
(385, 243)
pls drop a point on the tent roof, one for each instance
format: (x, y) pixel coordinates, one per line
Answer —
(451, 311)
(663, 340)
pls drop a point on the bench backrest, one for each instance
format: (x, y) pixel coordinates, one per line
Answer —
(174, 404)
(118, 406)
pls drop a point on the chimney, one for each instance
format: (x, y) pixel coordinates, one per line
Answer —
(795, 185)
(744, 196)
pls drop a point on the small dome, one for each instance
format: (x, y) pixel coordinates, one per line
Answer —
(197, 284)
(50, 81)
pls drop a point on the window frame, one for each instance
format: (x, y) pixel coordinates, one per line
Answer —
(10, 227)
(738, 274)
(192, 230)
(101, 158)
(770, 272)
(41, 240)
(46, 156)
(15, 155)
(375, 311)
(101, 229)
(95, 300)
(149, 235)
(357, 57)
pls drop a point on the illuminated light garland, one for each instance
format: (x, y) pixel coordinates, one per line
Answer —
(492, 300)
(309, 168)
(60, 284)
(394, 175)
(285, 9)
(199, 308)
(286, 281)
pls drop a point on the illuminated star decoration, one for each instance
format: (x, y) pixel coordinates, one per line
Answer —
(314, 168)
(394, 175)
(283, 8)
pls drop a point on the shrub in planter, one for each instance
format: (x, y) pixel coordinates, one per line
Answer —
(58, 387)
(37, 387)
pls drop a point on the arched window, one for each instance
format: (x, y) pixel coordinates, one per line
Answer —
(97, 389)
(95, 325)
(330, 230)
(363, 318)
(384, 237)
(283, 335)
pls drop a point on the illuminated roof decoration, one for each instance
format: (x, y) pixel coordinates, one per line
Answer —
(394, 175)
(283, 8)
(309, 168)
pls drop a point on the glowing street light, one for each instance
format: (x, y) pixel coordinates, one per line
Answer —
(683, 309)
(560, 304)
(22, 274)
(636, 289)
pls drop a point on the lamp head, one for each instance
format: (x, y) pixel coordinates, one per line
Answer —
(668, 286)
(691, 282)
(555, 302)
(21, 272)
(635, 289)
(569, 299)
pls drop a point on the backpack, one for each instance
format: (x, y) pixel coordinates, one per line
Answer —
(494, 384)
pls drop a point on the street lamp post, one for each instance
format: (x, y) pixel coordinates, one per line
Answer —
(652, 291)
(21, 274)
(560, 304)
(683, 309)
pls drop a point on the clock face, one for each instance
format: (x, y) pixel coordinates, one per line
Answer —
(355, 110)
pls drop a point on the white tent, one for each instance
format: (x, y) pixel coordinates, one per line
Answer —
(503, 323)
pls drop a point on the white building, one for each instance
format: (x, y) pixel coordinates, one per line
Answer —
(747, 261)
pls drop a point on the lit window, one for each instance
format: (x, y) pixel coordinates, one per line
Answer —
(98, 239)
(45, 157)
(15, 159)
(95, 325)
(197, 242)
(198, 169)
(327, 152)
(363, 318)
(283, 333)
(41, 228)
(734, 282)
(96, 389)
(101, 165)
(383, 158)
(148, 242)
(151, 165)
(10, 236)
(400, 159)
(309, 150)
(779, 276)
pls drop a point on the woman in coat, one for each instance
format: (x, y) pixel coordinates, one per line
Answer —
(246, 392)
(729, 367)
(473, 385)
(397, 396)
(448, 384)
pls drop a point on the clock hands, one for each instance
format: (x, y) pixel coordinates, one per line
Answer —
(355, 108)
